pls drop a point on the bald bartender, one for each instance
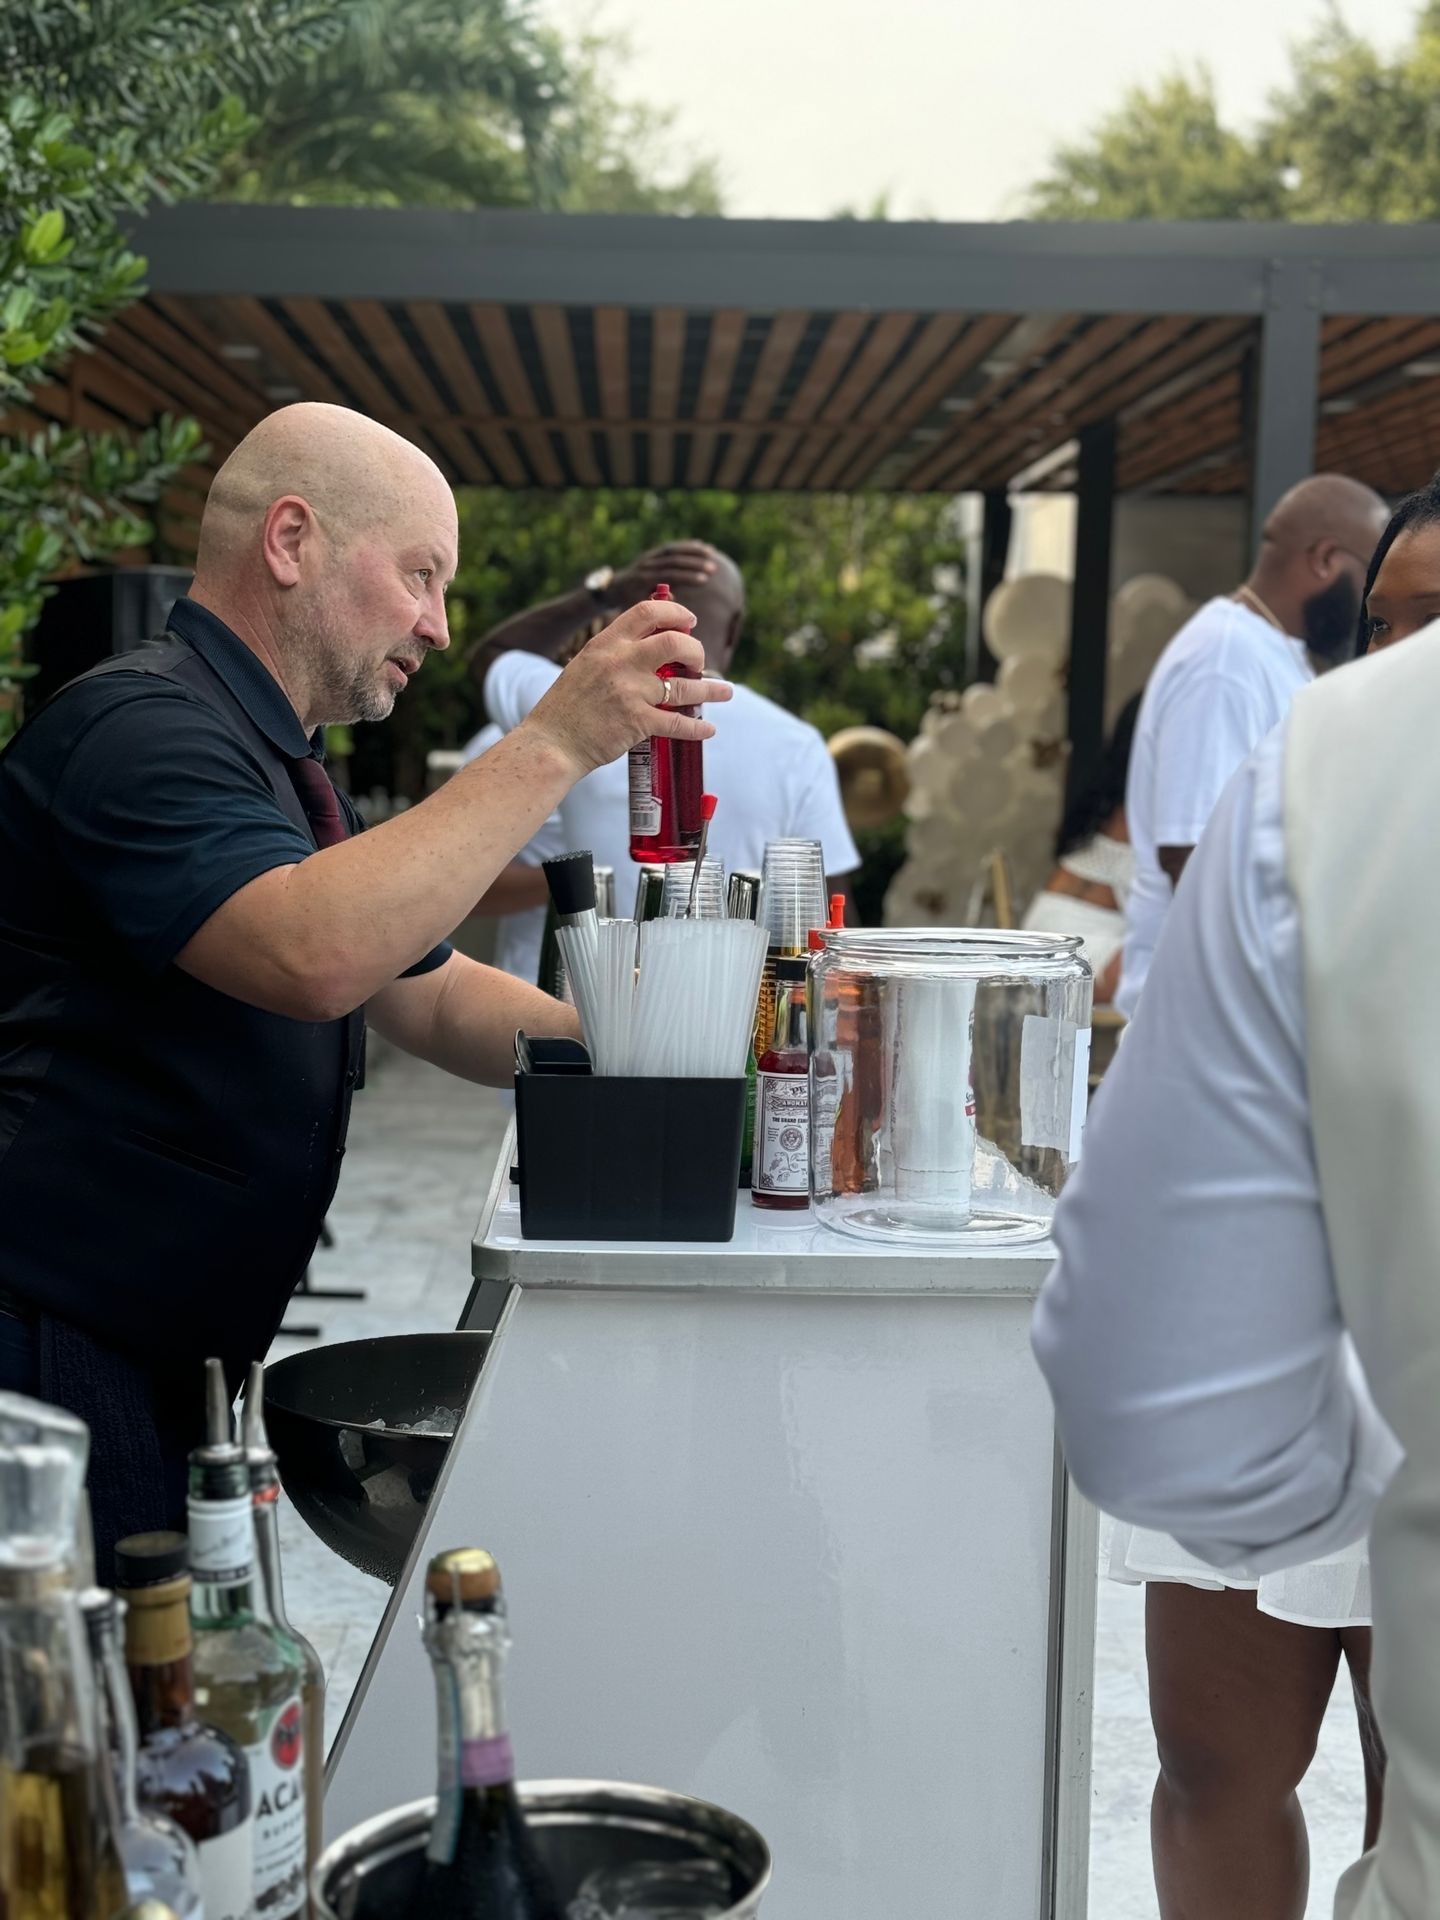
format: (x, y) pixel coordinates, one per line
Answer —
(194, 933)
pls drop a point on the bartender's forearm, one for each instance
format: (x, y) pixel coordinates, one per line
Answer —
(546, 630)
(464, 1017)
(320, 938)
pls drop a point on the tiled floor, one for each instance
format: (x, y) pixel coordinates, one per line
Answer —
(422, 1148)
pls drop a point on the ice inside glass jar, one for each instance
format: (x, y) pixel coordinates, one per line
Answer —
(949, 1074)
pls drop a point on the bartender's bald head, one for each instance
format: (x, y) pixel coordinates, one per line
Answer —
(327, 543)
(1314, 552)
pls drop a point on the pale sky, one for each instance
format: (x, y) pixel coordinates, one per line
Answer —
(951, 105)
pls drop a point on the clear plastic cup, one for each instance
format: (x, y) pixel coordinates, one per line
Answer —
(792, 893)
(709, 898)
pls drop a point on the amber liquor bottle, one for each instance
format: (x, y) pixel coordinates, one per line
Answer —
(194, 1773)
(780, 1174)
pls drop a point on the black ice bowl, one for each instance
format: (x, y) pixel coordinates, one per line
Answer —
(363, 1488)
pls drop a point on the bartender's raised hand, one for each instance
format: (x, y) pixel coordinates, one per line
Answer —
(610, 698)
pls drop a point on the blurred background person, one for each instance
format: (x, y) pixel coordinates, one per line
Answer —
(517, 901)
(772, 773)
(1094, 865)
(1228, 677)
(1402, 587)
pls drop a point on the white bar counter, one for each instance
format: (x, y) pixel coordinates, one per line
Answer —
(781, 1524)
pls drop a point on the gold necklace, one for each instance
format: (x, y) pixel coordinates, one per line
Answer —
(1249, 594)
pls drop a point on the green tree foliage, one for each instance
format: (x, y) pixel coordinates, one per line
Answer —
(106, 106)
(1354, 134)
(462, 103)
(856, 610)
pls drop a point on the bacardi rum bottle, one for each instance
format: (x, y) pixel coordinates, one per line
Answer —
(265, 1500)
(481, 1862)
(249, 1676)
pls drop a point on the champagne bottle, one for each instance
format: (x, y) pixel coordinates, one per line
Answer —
(59, 1857)
(159, 1857)
(249, 1677)
(481, 1862)
(265, 1502)
(194, 1773)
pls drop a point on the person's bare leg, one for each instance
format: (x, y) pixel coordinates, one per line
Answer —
(1356, 1642)
(1236, 1699)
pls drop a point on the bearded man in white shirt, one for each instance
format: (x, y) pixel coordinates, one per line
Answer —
(1229, 676)
(1259, 1188)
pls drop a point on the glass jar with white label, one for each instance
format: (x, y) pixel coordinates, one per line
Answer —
(949, 1073)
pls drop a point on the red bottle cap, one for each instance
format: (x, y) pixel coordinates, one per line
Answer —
(837, 913)
(708, 804)
(662, 592)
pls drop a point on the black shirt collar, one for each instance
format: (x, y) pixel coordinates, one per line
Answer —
(257, 690)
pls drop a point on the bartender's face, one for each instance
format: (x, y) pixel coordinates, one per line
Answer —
(378, 608)
(1406, 593)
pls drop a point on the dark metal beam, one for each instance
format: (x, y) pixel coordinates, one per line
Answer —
(994, 552)
(1287, 385)
(441, 254)
(1090, 604)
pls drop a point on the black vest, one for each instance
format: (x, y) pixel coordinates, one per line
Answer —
(168, 1184)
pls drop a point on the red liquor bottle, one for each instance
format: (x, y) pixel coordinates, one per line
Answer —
(780, 1175)
(667, 784)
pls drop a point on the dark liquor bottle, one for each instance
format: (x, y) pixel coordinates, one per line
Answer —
(667, 785)
(59, 1852)
(249, 1676)
(780, 1176)
(194, 1773)
(481, 1862)
(265, 1499)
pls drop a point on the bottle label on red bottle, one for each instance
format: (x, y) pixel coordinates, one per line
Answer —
(782, 1133)
(277, 1786)
(226, 1868)
(644, 807)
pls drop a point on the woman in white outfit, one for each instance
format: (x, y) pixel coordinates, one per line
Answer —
(1241, 1670)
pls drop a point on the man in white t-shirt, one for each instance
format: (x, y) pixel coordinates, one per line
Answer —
(771, 773)
(517, 900)
(1227, 679)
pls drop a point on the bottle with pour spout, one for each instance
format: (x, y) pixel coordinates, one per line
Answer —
(59, 1851)
(270, 1598)
(249, 1675)
(667, 784)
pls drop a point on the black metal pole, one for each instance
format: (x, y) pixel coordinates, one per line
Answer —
(994, 552)
(1090, 605)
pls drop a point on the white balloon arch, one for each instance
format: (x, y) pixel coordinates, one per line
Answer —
(988, 768)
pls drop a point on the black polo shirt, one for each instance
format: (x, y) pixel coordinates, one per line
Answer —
(166, 1152)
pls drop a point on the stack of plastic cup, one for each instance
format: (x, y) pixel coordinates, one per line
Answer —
(792, 894)
(709, 896)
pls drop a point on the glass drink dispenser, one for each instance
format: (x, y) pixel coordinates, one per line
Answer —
(949, 1075)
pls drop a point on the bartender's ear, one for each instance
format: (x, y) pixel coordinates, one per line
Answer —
(289, 524)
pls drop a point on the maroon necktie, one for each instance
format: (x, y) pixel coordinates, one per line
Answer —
(317, 796)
